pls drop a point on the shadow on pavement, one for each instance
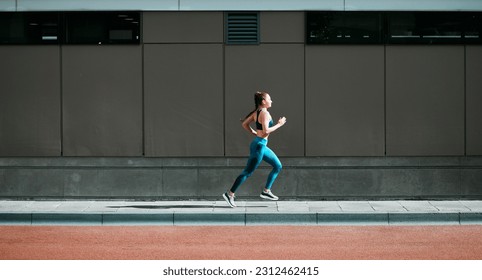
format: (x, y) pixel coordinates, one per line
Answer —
(178, 206)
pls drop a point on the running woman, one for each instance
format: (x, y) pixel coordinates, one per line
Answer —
(259, 150)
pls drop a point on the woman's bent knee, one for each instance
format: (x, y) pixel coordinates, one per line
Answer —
(247, 174)
(278, 167)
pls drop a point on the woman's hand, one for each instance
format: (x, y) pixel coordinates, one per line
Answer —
(282, 121)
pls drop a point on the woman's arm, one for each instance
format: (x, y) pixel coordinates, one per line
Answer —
(264, 118)
(246, 124)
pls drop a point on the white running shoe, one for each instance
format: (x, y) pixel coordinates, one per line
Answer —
(268, 195)
(229, 200)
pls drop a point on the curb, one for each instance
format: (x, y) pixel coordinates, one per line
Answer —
(240, 219)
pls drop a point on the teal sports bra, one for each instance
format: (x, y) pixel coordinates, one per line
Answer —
(259, 126)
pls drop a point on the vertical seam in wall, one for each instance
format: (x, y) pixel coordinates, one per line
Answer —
(304, 96)
(465, 100)
(224, 84)
(143, 117)
(385, 96)
(61, 102)
(224, 99)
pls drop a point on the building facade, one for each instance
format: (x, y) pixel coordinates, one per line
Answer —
(142, 99)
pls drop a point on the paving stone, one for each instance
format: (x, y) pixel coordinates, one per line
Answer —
(449, 206)
(73, 206)
(418, 206)
(473, 205)
(387, 206)
(324, 206)
(355, 206)
(15, 206)
(42, 206)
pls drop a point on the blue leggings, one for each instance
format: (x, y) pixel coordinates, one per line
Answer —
(259, 151)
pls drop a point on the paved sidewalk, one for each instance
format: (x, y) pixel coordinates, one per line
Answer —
(126, 212)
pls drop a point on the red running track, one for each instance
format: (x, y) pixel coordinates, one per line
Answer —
(244, 242)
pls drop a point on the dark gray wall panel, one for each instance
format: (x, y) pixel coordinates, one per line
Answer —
(182, 27)
(102, 99)
(282, 27)
(425, 100)
(277, 69)
(30, 101)
(345, 101)
(474, 100)
(184, 100)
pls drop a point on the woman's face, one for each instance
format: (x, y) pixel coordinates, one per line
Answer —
(267, 101)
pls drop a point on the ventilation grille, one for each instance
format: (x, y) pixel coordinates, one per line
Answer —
(242, 28)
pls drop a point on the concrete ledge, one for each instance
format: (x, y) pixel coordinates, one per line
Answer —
(239, 162)
(66, 219)
(237, 219)
(15, 219)
(240, 219)
(161, 219)
(470, 218)
(339, 178)
(424, 218)
(353, 219)
(281, 218)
